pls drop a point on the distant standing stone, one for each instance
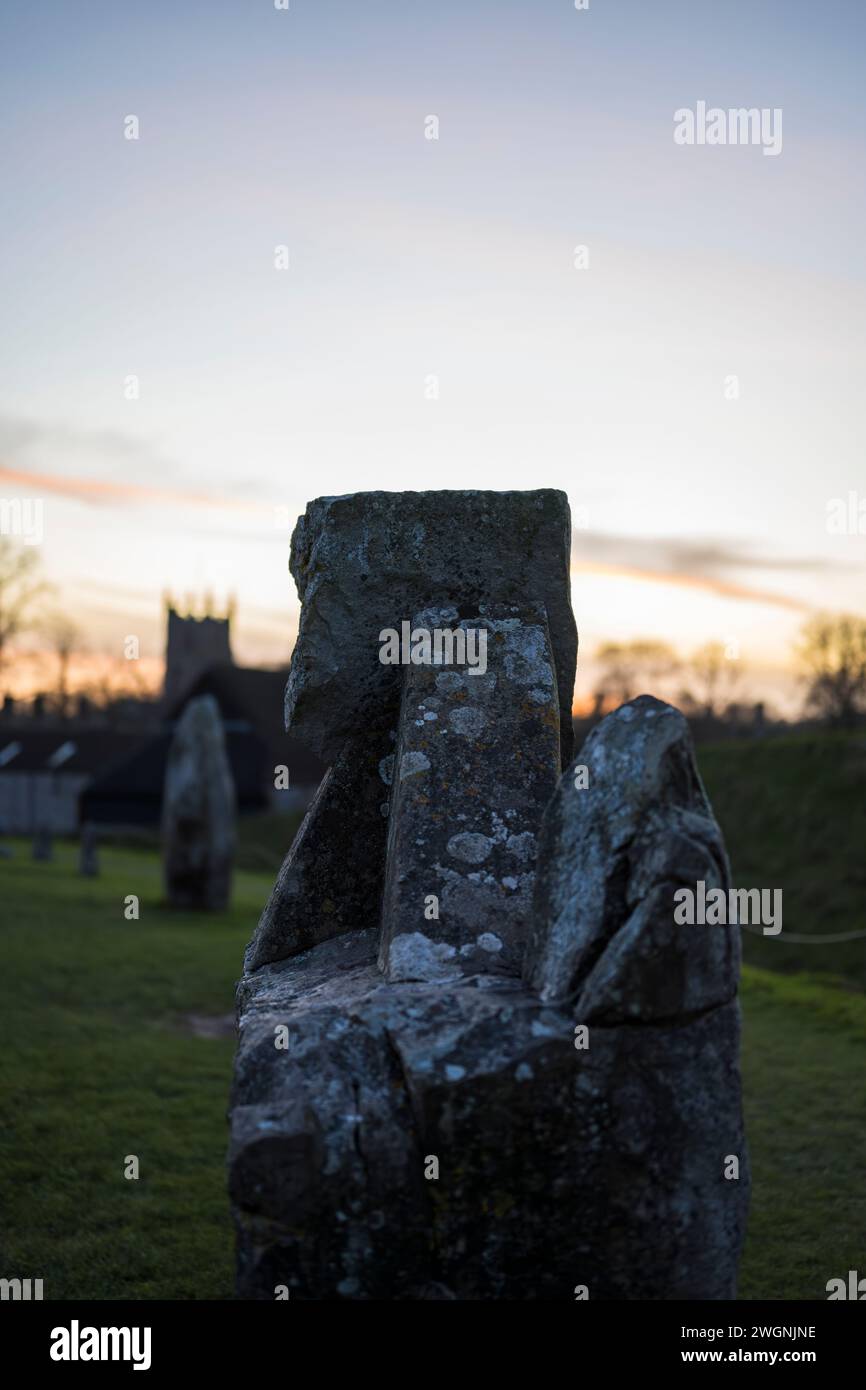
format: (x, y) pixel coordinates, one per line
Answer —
(198, 811)
(88, 858)
(43, 845)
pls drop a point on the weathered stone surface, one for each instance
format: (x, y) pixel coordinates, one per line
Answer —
(331, 879)
(612, 855)
(557, 1166)
(476, 761)
(198, 811)
(370, 560)
(319, 1130)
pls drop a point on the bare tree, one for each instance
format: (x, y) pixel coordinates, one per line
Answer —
(716, 675)
(113, 678)
(832, 650)
(21, 589)
(65, 638)
(629, 666)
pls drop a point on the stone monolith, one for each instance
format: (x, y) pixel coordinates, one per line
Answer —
(198, 811)
(477, 1056)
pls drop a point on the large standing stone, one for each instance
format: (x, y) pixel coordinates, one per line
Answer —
(362, 564)
(370, 560)
(410, 1117)
(198, 811)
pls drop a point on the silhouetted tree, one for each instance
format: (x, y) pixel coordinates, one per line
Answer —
(628, 668)
(65, 637)
(716, 674)
(20, 591)
(832, 649)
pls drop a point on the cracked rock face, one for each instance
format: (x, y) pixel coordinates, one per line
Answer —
(556, 1167)
(535, 1086)
(368, 561)
(198, 811)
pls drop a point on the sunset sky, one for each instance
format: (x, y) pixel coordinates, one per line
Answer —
(698, 517)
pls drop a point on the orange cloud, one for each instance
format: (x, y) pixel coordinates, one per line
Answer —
(98, 490)
(103, 490)
(725, 588)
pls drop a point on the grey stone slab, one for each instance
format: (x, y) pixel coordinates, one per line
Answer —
(477, 760)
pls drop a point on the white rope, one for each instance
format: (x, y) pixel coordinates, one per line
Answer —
(809, 940)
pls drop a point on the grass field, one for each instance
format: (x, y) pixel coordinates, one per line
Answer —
(794, 815)
(98, 1063)
(98, 1060)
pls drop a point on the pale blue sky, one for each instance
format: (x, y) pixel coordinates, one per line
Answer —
(454, 257)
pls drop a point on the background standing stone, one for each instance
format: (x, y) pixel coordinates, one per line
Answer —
(198, 816)
(43, 845)
(88, 856)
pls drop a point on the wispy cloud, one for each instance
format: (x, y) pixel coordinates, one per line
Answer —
(708, 565)
(97, 467)
(106, 490)
(721, 587)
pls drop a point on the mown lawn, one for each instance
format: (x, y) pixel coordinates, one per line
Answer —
(793, 810)
(804, 1061)
(97, 1061)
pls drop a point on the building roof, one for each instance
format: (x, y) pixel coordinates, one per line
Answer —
(130, 793)
(127, 767)
(64, 749)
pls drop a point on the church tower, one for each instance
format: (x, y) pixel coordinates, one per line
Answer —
(194, 643)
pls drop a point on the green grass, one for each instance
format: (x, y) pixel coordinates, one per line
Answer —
(803, 1061)
(263, 840)
(95, 1062)
(793, 810)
